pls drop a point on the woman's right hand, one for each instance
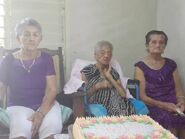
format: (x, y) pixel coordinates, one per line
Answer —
(36, 119)
(171, 107)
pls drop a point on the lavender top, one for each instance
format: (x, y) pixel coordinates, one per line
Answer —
(26, 88)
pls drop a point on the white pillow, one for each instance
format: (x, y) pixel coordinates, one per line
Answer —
(79, 64)
(75, 81)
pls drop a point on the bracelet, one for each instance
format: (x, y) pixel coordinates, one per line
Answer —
(181, 97)
(41, 113)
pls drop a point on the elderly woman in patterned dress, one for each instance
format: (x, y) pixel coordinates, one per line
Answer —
(103, 82)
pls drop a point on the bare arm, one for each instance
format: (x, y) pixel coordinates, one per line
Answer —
(47, 103)
(179, 90)
(50, 94)
(139, 75)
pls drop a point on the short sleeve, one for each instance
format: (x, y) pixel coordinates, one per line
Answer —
(115, 74)
(169, 66)
(172, 64)
(140, 65)
(50, 69)
(89, 71)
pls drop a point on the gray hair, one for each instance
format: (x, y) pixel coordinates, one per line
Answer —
(155, 32)
(19, 28)
(101, 44)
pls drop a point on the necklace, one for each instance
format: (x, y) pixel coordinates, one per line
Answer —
(28, 69)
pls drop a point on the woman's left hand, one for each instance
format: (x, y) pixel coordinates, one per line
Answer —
(180, 104)
(106, 73)
(36, 119)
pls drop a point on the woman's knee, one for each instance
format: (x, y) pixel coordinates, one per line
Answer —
(49, 128)
(53, 122)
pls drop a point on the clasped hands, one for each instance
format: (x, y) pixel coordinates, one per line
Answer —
(181, 104)
(171, 107)
(106, 83)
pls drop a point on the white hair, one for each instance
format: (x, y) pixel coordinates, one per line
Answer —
(101, 44)
(19, 28)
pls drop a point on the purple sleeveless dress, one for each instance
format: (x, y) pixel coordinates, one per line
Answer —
(160, 86)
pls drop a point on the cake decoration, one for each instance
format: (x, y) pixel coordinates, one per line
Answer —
(123, 127)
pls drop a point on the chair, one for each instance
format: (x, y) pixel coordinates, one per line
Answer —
(97, 110)
(133, 86)
(140, 106)
(80, 105)
(59, 68)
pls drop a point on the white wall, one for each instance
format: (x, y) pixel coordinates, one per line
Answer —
(122, 22)
(171, 19)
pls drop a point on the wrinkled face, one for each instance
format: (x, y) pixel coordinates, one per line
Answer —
(30, 38)
(156, 44)
(104, 55)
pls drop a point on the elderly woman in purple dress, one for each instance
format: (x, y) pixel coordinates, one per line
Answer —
(30, 76)
(160, 86)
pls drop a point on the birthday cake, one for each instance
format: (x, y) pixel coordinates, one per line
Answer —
(123, 127)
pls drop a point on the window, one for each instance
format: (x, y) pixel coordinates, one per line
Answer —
(2, 13)
(49, 13)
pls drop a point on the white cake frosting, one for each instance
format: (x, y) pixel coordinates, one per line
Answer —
(123, 127)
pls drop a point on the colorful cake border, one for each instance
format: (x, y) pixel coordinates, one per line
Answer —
(159, 133)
